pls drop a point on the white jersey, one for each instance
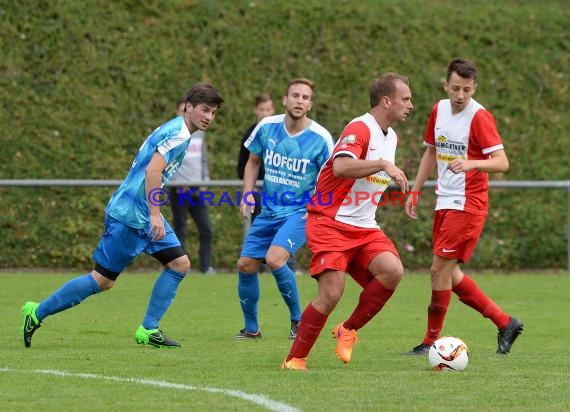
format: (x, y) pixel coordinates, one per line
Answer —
(469, 134)
(354, 201)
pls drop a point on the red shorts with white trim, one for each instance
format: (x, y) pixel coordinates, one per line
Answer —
(346, 248)
(455, 233)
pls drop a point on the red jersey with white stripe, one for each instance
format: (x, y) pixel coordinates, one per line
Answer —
(354, 201)
(470, 134)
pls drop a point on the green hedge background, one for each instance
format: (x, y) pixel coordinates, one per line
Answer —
(84, 82)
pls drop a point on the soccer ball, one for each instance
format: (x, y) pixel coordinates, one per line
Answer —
(448, 354)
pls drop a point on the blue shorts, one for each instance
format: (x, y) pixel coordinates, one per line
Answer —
(120, 244)
(287, 232)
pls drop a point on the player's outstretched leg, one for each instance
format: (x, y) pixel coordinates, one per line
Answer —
(31, 322)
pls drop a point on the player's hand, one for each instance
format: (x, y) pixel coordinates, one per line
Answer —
(398, 175)
(247, 206)
(157, 230)
(460, 166)
(410, 207)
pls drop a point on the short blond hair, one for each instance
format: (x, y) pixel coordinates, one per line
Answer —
(299, 80)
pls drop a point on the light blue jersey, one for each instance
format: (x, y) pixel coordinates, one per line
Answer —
(129, 202)
(292, 163)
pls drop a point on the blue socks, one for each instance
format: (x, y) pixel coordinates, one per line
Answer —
(69, 294)
(163, 294)
(76, 290)
(288, 287)
(248, 292)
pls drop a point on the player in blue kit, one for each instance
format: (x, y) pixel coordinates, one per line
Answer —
(134, 224)
(292, 148)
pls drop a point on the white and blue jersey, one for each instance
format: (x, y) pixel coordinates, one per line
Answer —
(129, 202)
(292, 163)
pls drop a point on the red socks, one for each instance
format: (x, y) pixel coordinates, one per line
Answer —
(310, 326)
(436, 314)
(470, 294)
(372, 300)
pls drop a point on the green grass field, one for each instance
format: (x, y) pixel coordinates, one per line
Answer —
(86, 358)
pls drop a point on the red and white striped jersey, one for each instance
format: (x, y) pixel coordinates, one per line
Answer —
(470, 134)
(354, 201)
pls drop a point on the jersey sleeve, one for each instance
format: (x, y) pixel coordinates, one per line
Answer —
(353, 141)
(429, 135)
(170, 145)
(168, 139)
(484, 131)
(328, 147)
(253, 142)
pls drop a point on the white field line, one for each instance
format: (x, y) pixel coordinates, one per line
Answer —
(260, 400)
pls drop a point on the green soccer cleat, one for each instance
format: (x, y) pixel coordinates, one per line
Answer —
(31, 322)
(154, 337)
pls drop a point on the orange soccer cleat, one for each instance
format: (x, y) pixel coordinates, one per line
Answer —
(345, 340)
(296, 364)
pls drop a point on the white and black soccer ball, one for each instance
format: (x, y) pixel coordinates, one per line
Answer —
(448, 354)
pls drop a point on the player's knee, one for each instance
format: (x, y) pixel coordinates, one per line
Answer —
(327, 300)
(180, 264)
(103, 282)
(275, 263)
(436, 272)
(392, 275)
(397, 275)
(276, 257)
(333, 296)
(247, 265)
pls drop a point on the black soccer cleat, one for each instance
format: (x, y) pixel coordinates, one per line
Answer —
(154, 337)
(508, 335)
(31, 323)
(294, 329)
(421, 350)
(245, 335)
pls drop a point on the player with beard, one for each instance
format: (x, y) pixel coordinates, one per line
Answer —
(292, 148)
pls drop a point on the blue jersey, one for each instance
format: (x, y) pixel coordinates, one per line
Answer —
(129, 202)
(292, 163)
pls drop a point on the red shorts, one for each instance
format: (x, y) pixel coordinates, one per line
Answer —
(346, 248)
(455, 233)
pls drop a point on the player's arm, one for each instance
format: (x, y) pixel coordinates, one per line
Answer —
(496, 163)
(153, 181)
(351, 168)
(250, 174)
(427, 163)
(484, 131)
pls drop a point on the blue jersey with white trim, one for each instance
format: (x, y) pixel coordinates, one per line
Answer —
(292, 163)
(129, 202)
